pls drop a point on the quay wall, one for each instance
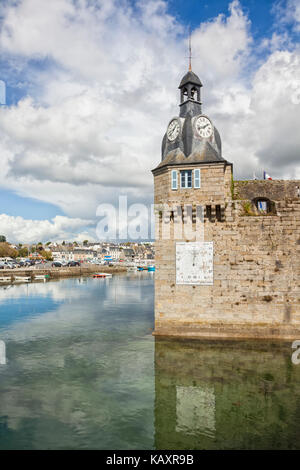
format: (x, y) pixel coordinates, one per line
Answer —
(56, 273)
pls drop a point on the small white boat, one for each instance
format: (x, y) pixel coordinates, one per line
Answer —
(5, 279)
(41, 277)
(22, 279)
(132, 268)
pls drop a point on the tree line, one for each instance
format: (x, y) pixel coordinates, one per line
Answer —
(6, 250)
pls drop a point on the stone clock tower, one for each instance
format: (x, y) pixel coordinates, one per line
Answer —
(227, 252)
(192, 187)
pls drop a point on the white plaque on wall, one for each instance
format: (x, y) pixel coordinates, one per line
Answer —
(195, 263)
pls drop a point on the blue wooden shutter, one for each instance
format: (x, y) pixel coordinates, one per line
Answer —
(174, 179)
(197, 178)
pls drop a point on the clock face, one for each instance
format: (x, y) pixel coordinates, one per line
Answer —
(173, 130)
(204, 127)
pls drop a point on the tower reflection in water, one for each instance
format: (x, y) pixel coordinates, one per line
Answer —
(226, 395)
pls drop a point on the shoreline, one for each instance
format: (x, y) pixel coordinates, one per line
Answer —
(56, 273)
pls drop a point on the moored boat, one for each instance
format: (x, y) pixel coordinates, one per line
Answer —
(41, 277)
(22, 279)
(102, 275)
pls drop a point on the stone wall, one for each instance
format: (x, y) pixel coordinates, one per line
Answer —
(276, 190)
(215, 186)
(256, 290)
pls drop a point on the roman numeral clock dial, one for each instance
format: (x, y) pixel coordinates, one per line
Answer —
(203, 127)
(173, 130)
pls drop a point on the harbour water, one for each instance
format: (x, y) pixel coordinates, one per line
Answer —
(83, 371)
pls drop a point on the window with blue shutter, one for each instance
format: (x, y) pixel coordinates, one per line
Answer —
(174, 179)
(197, 178)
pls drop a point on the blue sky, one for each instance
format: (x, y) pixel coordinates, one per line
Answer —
(28, 208)
(261, 13)
(258, 11)
(89, 93)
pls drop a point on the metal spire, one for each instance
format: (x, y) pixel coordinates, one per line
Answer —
(190, 51)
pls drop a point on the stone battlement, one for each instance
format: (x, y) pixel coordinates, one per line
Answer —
(276, 190)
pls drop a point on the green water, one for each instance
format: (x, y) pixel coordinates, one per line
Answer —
(84, 372)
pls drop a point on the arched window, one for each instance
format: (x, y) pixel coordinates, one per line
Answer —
(194, 93)
(184, 94)
(264, 205)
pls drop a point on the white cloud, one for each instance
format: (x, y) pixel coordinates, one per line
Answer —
(93, 125)
(18, 229)
(222, 46)
(276, 42)
(276, 100)
(288, 12)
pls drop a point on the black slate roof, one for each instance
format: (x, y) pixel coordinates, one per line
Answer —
(190, 77)
(206, 155)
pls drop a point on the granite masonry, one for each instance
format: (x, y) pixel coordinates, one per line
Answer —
(253, 226)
